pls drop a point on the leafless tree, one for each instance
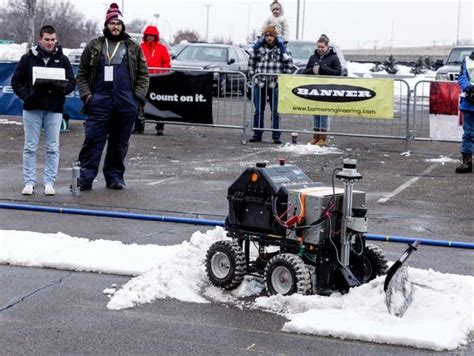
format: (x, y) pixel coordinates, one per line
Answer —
(16, 21)
(30, 6)
(222, 40)
(185, 35)
(136, 26)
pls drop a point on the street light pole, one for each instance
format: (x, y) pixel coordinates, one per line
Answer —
(207, 21)
(459, 21)
(297, 19)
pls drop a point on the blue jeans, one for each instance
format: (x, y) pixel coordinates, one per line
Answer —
(259, 101)
(468, 135)
(33, 121)
(321, 122)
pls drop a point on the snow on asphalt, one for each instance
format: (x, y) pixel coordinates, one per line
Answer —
(440, 318)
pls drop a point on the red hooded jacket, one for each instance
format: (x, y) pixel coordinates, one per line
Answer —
(155, 53)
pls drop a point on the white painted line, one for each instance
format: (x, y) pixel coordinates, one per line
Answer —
(156, 182)
(406, 184)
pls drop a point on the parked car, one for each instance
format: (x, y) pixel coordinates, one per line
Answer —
(177, 48)
(302, 50)
(451, 68)
(216, 58)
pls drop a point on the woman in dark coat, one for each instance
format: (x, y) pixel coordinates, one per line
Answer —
(324, 61)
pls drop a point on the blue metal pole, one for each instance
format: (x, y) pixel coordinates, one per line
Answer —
(111, 214)
(429, 242)
(205, 222)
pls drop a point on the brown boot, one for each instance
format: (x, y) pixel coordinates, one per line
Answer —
(323, 141)
(466, 166)
(315, 139)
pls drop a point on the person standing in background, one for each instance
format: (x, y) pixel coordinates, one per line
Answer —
(324, 61)
(42, 107)
(466, 83)
(113, 83)
(157, 58)
(279, 22)
(267, 60)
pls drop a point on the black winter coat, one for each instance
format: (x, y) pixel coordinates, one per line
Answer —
(48, 97)
(329, 63)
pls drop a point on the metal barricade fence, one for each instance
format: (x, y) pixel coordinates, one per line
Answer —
(396, 128)
(420, 127)
(229, 107)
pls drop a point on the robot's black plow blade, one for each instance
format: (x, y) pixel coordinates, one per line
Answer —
(398, 288)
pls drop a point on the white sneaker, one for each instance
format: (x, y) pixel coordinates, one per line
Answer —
(28, 190)
(49, 190)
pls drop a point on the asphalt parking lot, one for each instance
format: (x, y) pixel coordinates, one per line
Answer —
(186, 173)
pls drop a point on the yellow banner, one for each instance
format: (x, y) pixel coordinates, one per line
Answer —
(313, 95)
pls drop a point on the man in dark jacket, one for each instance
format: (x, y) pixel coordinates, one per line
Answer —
(42, 106)
(113, 82)
(324, 61)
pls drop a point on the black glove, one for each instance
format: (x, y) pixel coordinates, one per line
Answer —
(470, 93)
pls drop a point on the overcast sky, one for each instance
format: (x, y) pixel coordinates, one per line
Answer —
(350, 23)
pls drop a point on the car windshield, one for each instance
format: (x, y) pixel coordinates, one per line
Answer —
(203, 53)
(457, 55)
(301, 50)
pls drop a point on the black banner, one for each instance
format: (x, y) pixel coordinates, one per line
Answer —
(180, 97)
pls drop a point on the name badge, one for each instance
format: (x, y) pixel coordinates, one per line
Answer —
(109, 73)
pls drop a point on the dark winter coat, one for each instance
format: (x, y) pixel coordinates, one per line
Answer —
(48, 97)
(329, 63)
(86, 77)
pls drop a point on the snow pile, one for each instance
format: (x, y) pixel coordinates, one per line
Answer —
(78, 254)
(442, 159)
(440, 318)
(9, 122)
(180, 275)
(12, 52)
(308, 149)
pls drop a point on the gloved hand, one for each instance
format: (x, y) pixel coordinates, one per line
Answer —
(470, 93)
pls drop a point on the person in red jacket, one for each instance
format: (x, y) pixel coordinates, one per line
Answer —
(157, 58)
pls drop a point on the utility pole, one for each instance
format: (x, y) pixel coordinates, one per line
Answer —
(302, 21)
(297, 19)
(459, 21)
(207, 21)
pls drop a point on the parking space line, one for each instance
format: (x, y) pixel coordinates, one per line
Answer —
(405, 185)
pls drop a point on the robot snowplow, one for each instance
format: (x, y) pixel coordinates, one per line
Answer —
(309, 237)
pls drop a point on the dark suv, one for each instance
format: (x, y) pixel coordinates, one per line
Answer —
(216, 58)
(302, 50)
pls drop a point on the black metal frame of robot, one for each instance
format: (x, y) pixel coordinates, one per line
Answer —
(309, 237)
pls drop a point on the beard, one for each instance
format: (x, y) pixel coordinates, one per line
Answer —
(110, 36)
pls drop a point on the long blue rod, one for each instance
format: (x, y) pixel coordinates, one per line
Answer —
(206, 222)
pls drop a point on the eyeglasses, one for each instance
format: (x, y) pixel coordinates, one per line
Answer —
(115, 24)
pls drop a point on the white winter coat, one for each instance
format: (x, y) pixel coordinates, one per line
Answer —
(280, 23)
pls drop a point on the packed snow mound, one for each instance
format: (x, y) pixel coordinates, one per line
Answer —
(441, 316)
